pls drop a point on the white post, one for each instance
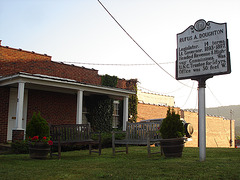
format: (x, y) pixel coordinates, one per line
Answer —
(19, 112)
(202, 119)
(79, 107)
(125, 113)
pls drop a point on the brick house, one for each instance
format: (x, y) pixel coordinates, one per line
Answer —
(31, 82)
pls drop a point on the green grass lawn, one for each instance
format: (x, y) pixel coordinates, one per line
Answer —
(221, 163)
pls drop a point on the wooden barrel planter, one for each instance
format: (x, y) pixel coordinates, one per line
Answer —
(172, 147)
(39, 150)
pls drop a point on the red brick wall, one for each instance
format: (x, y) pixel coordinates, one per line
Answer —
(191, 117)
(148, 111)
(4, 103)
(56, 108)
(127, 84)
(11, 54)
(217, 130)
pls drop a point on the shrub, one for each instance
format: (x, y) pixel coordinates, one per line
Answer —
(38, 126)
(106, 138)
(20, 147)
(172, 126)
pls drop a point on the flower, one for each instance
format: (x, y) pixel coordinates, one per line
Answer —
(45, 139)
(35, 138)
(50, 142)
(158, 130)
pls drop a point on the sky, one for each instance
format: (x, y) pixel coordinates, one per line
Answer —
(81, 32)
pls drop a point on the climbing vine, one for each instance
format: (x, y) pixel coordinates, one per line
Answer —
(110, 81)
(100, 113)
(132, 106)
(101, 107)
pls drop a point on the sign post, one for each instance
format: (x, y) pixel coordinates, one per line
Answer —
(201, 119)
(202, 52)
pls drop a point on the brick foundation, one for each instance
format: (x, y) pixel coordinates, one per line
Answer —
(17, 135)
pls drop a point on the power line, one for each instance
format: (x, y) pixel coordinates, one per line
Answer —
(138, 44)
(196, 102)
(134, 39)
(150, 91)
(105, 64)
(188, 95)
(159, 92)
(214, 96)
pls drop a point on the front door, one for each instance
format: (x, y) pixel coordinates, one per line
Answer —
(12, 111)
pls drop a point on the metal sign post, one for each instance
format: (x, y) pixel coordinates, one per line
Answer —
(202, 52)
(202, 119)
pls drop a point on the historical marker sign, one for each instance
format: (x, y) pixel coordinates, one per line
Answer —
(202, 51)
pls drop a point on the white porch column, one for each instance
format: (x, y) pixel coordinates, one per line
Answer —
(125, 113)
(79, 106)
(19, 112)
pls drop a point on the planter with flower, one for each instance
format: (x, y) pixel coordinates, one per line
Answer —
(37, 132)
(172, 131)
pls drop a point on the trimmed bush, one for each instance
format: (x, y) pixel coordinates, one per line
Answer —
(172, 126)
(38, 126)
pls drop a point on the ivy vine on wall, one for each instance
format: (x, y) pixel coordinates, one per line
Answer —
(110, 81)
(100, 113)
(101, 107)
(132, 106)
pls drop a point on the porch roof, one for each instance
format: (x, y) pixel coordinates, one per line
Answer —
(52, 83)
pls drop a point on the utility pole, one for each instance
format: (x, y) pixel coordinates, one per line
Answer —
(231, 117)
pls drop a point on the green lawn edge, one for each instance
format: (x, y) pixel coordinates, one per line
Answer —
(221, 163)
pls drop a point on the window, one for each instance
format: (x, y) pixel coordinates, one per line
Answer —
(115, 114)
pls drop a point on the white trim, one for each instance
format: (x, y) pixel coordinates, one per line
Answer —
(18, 129)
(79, 107)
(125, 112)
(12, 109)
(19, 112)
(62, 83)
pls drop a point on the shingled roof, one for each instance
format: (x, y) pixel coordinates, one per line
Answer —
(14, 61)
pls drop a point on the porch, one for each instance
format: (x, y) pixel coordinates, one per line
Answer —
(67, 94)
